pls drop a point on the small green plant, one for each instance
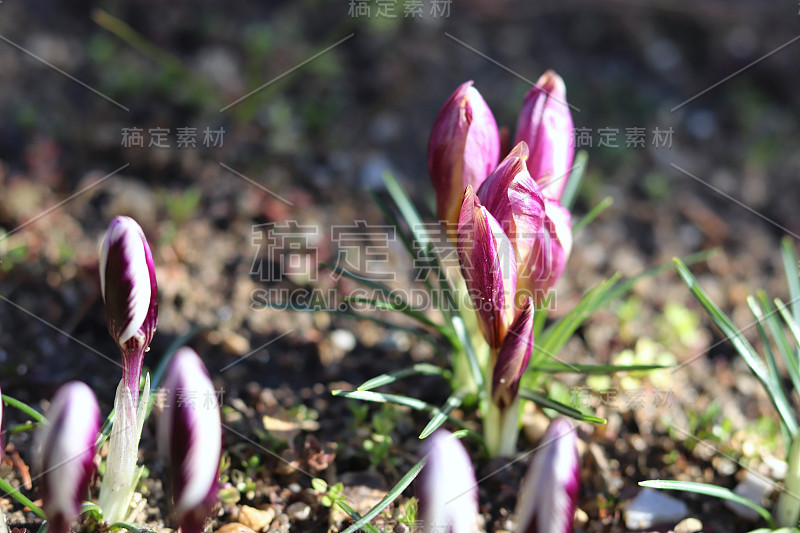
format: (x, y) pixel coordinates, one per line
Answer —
(772, 320)
(328, 495)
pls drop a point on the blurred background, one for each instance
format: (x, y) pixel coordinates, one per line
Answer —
(204, 120)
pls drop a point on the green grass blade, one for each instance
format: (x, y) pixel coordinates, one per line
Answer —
(25, 408)
(544, 401)
(392, 495)
(401, 306)
(789, 257)
(743, 347)
(772, 367)
(353, 514)
(781, 342)
(463, 338)
(575, 179)
(557, 335)
(372, 284)
(419, 369)
(453, 402)
(596, 211)
(8, 490)
(554, 367)
(709, 490)
(794, 328)
(421, 334)
(380, 397)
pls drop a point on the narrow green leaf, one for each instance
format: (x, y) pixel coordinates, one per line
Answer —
(380, 397)
(789, 257)
(423, 335)
(596, 211)
(22, 428)
(554, 367)
(781, 342)
(419, 369)
(745, 349)
(575, 179)
(557, 335)
(8, 490)
(353, 514)
(544, 401)
(401, 306)
(133, 528)
(466, 343)
(392, 495)
(772, 367)
(372, 284)
(453, 402)
(25, 408)
(709, 490)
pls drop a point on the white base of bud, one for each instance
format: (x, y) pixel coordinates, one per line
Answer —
(122, 475)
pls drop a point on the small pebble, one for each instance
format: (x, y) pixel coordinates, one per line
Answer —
(652, 507)
(689, 525)
(299, 511)
(235, 527)
(343, 339)
(256, 519)
(756, 489)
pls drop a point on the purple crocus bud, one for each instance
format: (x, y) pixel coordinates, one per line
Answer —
(489, 266)
(446, 488)
(463, 149)
(66, 448)
(544, 257)
(545, 123)
(190, 435)
(512, 359)
(128, 285)
(548, 495)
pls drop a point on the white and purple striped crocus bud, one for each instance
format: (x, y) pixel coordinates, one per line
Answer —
(446, 488)
(128, 285)
(463, 149)
(513, 356)
(545, 123)
(66, 449)
(489, 266)
(548, 495)
(190, 436)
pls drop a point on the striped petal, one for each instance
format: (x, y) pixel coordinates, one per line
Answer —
(190, 435)
(66, 448)
(544, 257)
(545, 123)
(446, 488)
(463, 149)
(489, 266)
(513, 357)
(548, 495)
(128, 284)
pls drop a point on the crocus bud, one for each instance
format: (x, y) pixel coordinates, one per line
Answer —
(463, 149)
(66, 448)
(545, 123)
(446, 488)
(489, 267)
(544, 257)
(512, 359)
(548, 495)
(128, 285)
(190, 436)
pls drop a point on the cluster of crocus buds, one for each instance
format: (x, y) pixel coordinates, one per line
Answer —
(66, 449)
(128, 285)
(513, 234)
(526, 187)
(546, 501)
(190, 438)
